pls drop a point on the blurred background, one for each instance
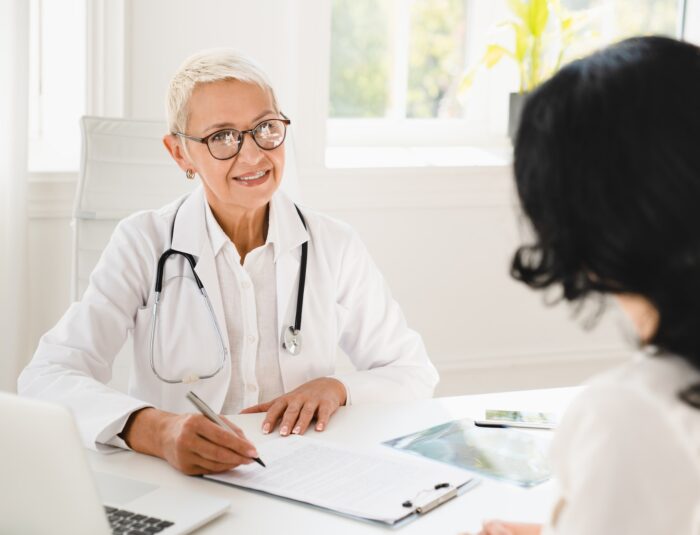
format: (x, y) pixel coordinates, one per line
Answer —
(400, 113)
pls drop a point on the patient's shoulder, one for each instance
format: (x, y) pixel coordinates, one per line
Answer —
(624, 403)
(656, 377)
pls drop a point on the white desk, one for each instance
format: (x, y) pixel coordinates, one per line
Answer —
(255, 513)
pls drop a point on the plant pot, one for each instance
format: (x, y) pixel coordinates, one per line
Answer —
(515, 109)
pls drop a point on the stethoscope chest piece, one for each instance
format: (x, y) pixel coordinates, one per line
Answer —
(292, 340)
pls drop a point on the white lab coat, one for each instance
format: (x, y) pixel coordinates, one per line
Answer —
(346, 304)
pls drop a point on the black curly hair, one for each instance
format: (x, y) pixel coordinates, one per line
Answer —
(607, 166)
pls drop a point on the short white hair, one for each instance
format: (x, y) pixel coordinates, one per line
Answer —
(207, 66)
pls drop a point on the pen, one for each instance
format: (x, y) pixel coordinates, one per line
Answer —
(506, 425)
(489, 424)
(206, 411)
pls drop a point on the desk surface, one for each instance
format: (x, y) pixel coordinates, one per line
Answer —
(252, 512)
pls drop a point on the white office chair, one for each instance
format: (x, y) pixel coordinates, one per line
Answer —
(125, 168)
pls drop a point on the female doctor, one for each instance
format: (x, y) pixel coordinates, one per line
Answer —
(233, 292)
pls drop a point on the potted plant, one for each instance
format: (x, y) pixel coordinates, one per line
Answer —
(543, 31)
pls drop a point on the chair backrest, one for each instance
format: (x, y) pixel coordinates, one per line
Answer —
(125, 168)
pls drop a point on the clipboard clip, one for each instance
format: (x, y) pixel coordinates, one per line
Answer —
(432, 504)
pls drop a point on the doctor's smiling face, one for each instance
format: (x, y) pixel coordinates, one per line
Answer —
(246, 182)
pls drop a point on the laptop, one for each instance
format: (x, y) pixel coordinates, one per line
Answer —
(46, 485)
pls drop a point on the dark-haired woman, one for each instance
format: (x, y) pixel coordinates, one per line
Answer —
(607, 165)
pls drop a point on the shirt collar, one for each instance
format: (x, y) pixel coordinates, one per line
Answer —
(285, 231)
(217, 236)
(285, 225)
(189, 233)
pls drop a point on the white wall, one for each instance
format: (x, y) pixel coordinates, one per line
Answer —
(692, 21)
(442, 236)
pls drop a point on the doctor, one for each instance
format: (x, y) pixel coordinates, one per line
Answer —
(283, 289)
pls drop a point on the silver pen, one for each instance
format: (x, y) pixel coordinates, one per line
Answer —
(206, 411)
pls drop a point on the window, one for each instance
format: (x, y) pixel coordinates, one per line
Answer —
(397, 69)
(397, 59)
(57, 84)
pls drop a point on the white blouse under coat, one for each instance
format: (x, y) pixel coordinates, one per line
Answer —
(250, 311)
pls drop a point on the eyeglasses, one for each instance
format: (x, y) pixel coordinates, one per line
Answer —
(225, 144)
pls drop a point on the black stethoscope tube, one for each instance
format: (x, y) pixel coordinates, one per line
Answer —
(302, 276)
(161, 267)
(291, 335)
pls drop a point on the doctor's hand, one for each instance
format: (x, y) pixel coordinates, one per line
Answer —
(189, 442)
(496, 527)
(319, 398)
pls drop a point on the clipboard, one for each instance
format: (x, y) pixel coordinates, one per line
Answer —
(376, 484)
(409, 517)
(424, 509)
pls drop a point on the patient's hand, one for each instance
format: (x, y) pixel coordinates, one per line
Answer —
(496, 527)
(189, 442)
(320, 398)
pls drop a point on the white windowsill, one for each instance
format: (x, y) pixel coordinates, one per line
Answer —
(419, 157)
(46, 159)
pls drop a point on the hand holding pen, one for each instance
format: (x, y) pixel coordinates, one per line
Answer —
(211, 415)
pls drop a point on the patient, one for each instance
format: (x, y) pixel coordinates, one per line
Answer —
(607, 165)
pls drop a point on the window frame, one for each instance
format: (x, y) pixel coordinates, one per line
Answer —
(487, 131)
(398, 130)
(49, 152)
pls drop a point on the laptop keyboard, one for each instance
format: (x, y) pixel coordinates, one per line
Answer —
(128, 523)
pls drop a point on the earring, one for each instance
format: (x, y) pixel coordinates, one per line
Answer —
(189, 174)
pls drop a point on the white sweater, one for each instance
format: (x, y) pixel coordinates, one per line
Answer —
(627, 454)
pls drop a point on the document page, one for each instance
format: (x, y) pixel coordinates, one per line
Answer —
(369, 483)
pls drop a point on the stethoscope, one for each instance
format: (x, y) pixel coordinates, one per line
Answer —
(291, 339)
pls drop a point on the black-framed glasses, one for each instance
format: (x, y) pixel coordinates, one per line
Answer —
(226, 143)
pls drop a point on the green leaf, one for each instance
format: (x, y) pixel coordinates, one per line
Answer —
(494, 54)
(522, 42)
(520, 8)
(538, 14)
(521, 39)
(467, 81)
(567, 23)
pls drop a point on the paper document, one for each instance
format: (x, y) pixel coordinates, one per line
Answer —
(371, 483)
